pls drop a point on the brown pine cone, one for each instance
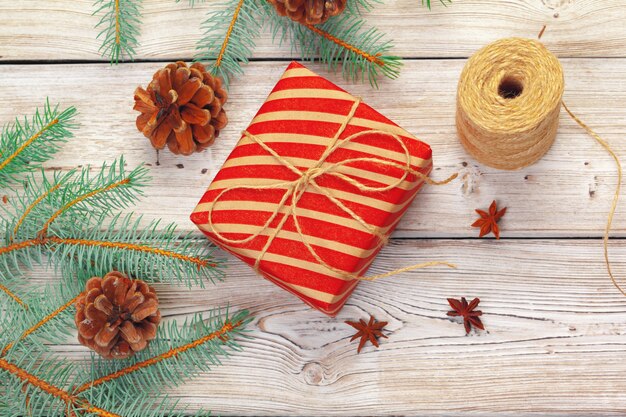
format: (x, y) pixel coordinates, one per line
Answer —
(183, 107)
(312, 12)
(117, 316)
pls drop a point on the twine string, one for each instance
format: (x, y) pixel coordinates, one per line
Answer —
(513, 127)
(296, 189)
(618, 187)
(508, 103)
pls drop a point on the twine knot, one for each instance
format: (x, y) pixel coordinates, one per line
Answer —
(309, 175)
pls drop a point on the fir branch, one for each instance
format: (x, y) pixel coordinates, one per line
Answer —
(38, 325)
(228, 39)
(31, 206)
(152, 254)
(13, 296)
(119, 26)
(20, 245)
(48, 318)
(111, 189)
(44, 394)
(362, 53)
(35, 202)
(197, 340)
(25, 145)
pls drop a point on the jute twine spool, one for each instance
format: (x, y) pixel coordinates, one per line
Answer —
(508, 103)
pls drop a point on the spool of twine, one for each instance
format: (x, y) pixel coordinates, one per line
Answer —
(507, 114)
(508, 103)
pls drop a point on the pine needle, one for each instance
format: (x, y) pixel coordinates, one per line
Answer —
(444, 2)
(119, 28)
(229, 38)
(25, 145)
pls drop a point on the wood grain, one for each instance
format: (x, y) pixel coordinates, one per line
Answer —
(567, 193)
(554, 340)
(64, 29)
(554, 343)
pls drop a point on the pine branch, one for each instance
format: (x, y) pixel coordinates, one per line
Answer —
(110, 190)
(25, 145)
(362, 53)
(177, 353)
(37, 393)
(36, 202)
(13, 296)
(73, 221)
(119, 27)
(149, 253)
(39, 390)
(229, 38)
(48, 318)
(39, 324)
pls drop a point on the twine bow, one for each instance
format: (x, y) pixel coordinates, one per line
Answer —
(296, 189)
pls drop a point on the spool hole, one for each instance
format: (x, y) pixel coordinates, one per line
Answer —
(510, 88)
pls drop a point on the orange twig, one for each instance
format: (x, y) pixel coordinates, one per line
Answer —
(117, 22)
(31, 206)
(13, 296)
(229, 32)
(53, 390)
(371, 58)
(20, 245)
(35, 381)
(543, 29)
(104, 244)
(228, 327)
(43, 321)
(133, 247)
(27, 143)
(77, 200)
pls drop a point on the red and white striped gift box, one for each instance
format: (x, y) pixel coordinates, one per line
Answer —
(298, 122)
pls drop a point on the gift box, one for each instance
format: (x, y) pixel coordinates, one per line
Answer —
(313, 189)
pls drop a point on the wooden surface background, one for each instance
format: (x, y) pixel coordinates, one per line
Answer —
(556, 327)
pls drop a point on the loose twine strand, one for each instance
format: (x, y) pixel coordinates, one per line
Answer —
(508, 103)
(296, 189)
(618, 187)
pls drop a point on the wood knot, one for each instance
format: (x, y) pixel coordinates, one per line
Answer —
(555, 4)
(313, 373)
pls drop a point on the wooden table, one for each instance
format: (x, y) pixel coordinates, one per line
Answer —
(555, 341)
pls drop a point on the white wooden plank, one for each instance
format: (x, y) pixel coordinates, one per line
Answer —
(553, 344)
(566, 194)
(64, 29)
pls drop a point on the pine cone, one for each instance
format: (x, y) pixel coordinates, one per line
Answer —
(312, 12)
(182, 107)
(117, 316)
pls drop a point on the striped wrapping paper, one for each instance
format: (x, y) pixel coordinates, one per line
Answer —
(298, 121)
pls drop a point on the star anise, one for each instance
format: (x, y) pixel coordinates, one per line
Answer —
(488, 222)
(367, 331)
(466, 310)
